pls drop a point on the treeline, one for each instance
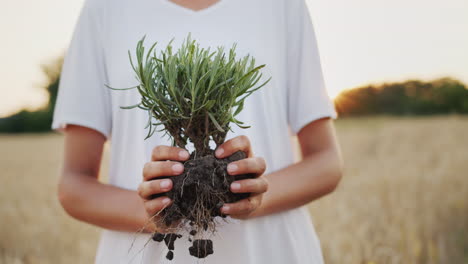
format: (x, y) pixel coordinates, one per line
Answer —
(41, 120)
(414, 97)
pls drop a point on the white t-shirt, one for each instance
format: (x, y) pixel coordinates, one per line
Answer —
(277, 33)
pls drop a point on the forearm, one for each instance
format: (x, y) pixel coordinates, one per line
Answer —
(86, 199)
(302, 182)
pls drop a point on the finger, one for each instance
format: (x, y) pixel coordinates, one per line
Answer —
(161, 153)
(233, 145)
(155, 206)
(156, 169)
(244, 206)
(258, 185)
(148, 188)
(256, 165)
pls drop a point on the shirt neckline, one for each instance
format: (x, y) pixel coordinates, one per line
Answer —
(189, 11)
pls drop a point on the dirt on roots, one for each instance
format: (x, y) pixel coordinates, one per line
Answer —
(198, 195)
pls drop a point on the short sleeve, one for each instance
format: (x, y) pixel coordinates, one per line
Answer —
(83, 99)
(307, 96)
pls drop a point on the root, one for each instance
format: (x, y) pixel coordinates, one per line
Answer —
(197, 195)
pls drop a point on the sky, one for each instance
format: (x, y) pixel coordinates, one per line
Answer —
(360, 42)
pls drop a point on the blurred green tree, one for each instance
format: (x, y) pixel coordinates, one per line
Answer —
(413, 97)
(37, 121)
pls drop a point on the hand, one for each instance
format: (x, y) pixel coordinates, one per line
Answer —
(244, 208)
(162, 166)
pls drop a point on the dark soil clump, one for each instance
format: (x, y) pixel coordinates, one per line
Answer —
(170, 255)
(158, 237)
(170, 238)
(197, 195)
(201, 248)
(200, 192)
(203, 188)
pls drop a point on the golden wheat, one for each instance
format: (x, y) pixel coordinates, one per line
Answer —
(403, 198)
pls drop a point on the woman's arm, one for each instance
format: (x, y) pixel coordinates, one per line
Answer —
(84, 197)
(316, 175)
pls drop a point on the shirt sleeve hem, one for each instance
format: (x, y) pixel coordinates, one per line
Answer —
(60, 125)
(311, 118)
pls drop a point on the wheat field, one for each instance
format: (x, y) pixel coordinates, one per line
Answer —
(403, 197)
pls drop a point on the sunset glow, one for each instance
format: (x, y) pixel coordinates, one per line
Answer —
(360, 41)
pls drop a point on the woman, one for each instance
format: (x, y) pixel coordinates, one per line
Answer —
(271, 227)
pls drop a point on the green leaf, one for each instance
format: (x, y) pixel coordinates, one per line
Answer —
(215, 122)
(187, 88)
(130, 107)
(239, 108)
(121, 89)
(210, 104)
(244, 127)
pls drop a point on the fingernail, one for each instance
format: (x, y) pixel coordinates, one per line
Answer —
(183, 154)
(219, 152)
(235, 186)
(165, 184)
(166, 201)
(177, 168)
(225, 208)
(232, 167)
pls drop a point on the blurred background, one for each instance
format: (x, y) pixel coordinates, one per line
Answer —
(397, 71)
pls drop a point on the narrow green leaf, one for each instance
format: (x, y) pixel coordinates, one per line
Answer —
(121, 89)
(213, 119)
(130, 107)
(239, 108)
